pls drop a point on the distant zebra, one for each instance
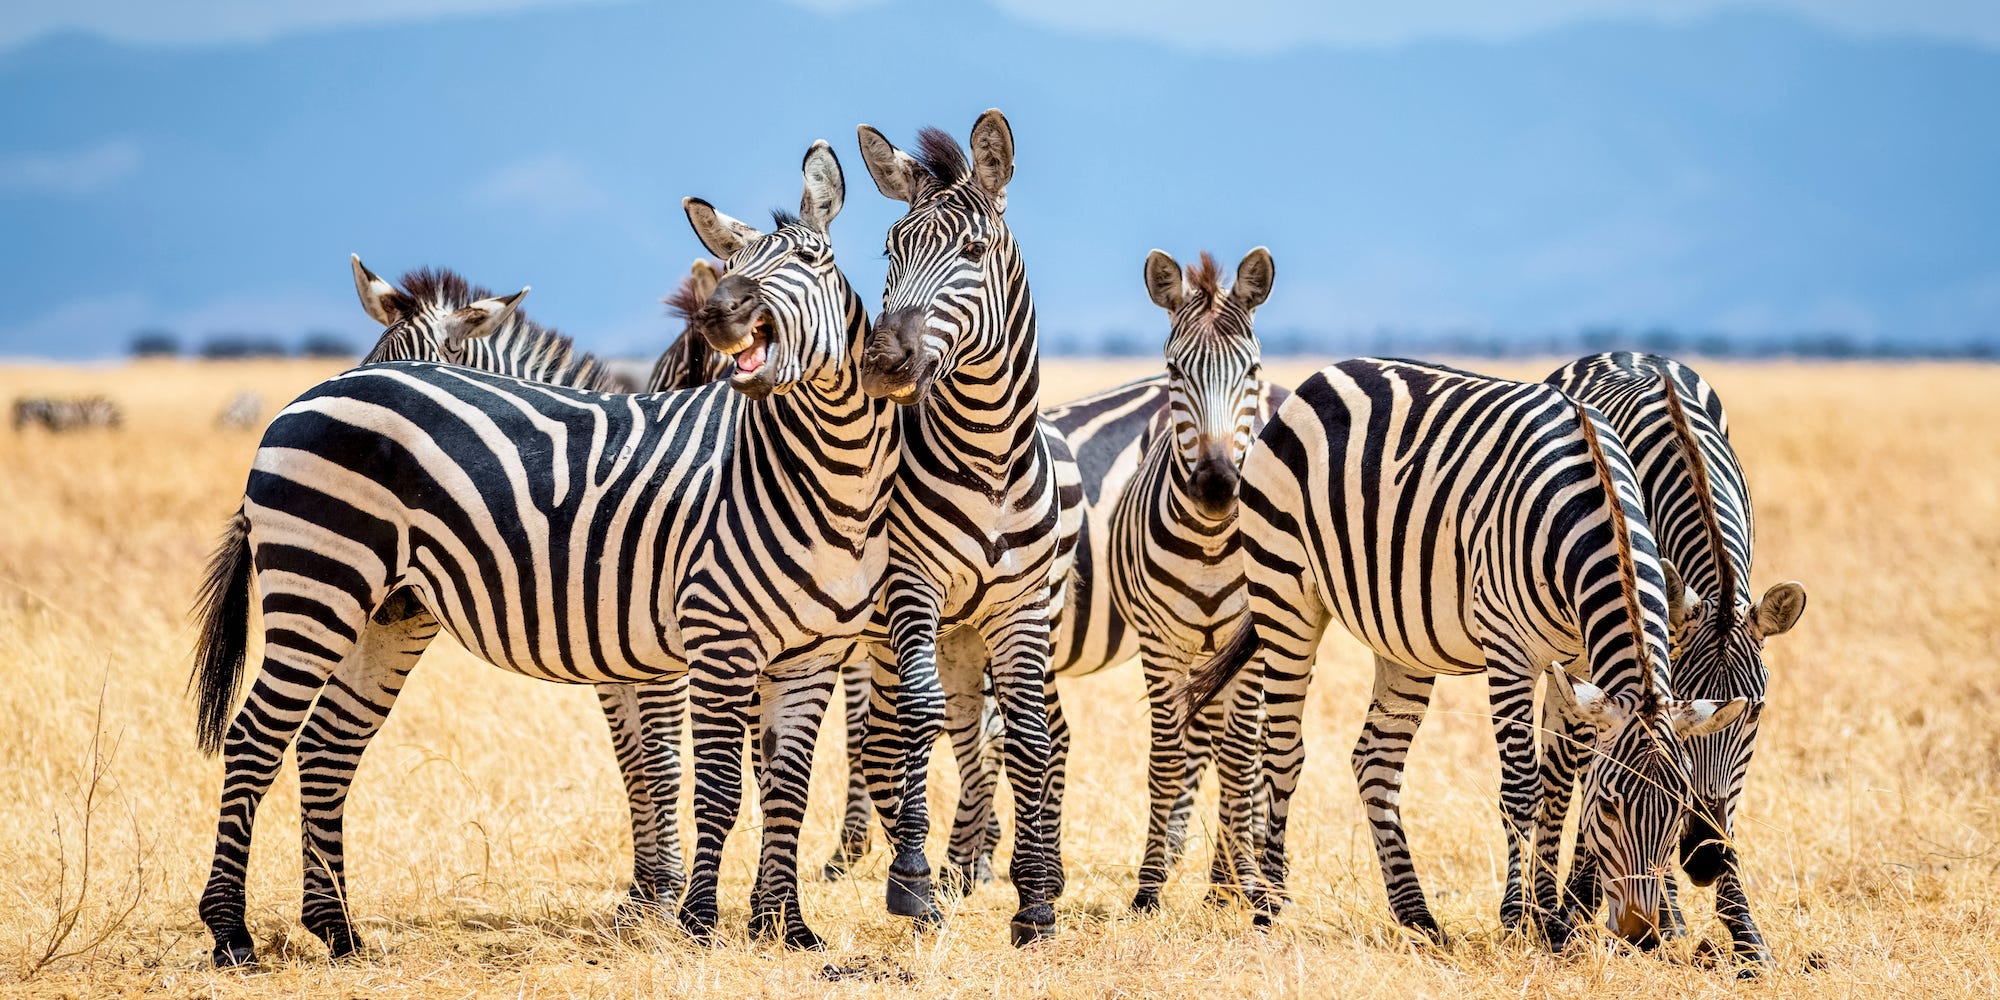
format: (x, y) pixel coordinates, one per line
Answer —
(244, 412)
(1698, 503)
(576, 537)
(976, 521)
(1457, 523)
(61, 414)
(688, 361)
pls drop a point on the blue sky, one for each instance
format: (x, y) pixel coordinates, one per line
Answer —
(1749, 169)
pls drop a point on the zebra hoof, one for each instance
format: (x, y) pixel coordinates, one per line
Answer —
(771, 925)
(1032, 924)
(1146, 900)
(234, 950)
(698, 922)
(910, 893)
(339, 938)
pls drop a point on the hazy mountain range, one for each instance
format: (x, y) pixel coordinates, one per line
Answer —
(1743, 177)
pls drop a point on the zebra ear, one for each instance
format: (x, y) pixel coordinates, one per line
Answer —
(993, 155)
(703, 277)
(1163, 281)
(480, 318)
(826, 188)
(1702, 716)
(1253, 278)
(1584, 700)
(722, 235)
(1780, 609)
(384, 303)
(1683, 604)
(894, 171)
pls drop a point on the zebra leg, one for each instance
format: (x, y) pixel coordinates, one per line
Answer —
(646, 723)
(1564, 741)
(301, 651)
(1167, 769)
(791, 708)
(723, 690)
(858, 820)
(962, 670)
(1395, 711)
(1732, 905)
(1058, 781)
(349, 712)
(905, 715)
(1511, 690)
(1019, 641)
(1237, 726)
(1288, 624)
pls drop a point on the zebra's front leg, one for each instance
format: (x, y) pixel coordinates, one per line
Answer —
(349, 712)
(792, 706)
(723, 689)
(1732, 905)
(1510, 687)
(1236, 725)
(905, 715)
(857, 821)
(1395, 712)
(1019, 641)
(974, 727)
(1167, 767)
(1564, 741)
(646, 723)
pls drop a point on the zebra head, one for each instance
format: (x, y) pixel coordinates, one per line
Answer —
(436, 320)
(780, 306)
(1720, 655)
(952, 260)
(1213, 371)
(1636, 789)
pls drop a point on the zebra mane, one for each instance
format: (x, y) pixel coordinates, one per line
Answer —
(1711, 522)
(1628, 573)
(683, 302)
(941, 156)
(1205, 278)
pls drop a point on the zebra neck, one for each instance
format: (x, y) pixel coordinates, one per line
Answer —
(837, 448)
(982, 420)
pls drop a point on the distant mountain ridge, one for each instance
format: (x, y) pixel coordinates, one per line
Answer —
(1749, 178)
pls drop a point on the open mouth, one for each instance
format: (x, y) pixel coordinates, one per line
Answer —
(751, 357)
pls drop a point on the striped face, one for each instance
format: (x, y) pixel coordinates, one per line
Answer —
(951, 260)
(779, 307)
(1721, 657)
(440, 321)
(1213, 371)
(1636, 789)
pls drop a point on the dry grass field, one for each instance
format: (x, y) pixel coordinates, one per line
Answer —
(487, 837)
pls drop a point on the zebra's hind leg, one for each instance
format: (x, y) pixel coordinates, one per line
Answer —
(791, 708)
(1394, 713)
(350, 711)
(858, 819)
(1019, 640)
(722, 694)
(1236, 723)
(1167, 770)
(974, 729)
(646, 723)
(304, 643)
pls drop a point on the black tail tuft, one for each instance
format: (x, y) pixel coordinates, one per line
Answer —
(1204, 682)
(222, 610)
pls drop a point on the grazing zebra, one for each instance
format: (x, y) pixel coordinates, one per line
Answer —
(978, 505)
(435, 315)
(243, 413)
(1699, 506)
(61, 415)
(577, 537)
(1457, 523)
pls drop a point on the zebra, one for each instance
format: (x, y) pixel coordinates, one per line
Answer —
(242, 413)
(579, 537)
(1698, 503)
(1457, 523)
(979, 504)
(688, 362)
(60, 415)
(436, 315)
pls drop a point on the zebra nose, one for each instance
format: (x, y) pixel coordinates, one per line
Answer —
(889, 363)
(1213, 485)
(1704, 852)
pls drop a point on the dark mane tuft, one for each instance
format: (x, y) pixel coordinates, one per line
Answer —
(441, 286)
(941, 156)
(781, 218)
(684, 303)
(1205, 278)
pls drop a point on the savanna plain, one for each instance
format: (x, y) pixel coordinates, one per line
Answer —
(487, 838)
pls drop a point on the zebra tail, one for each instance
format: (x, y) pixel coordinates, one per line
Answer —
(1206, 681)
(222, 610)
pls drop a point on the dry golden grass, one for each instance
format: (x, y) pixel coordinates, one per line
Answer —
(487, 835)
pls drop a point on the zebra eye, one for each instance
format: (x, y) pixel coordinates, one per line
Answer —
(975, 250)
